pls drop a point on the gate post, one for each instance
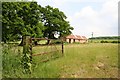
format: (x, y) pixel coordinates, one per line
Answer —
(27, 54)
(62, 47)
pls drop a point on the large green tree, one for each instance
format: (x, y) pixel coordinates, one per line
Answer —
(55, 22)
(29, 18)
(20, 18)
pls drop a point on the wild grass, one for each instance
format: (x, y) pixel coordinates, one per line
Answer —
(92, 60)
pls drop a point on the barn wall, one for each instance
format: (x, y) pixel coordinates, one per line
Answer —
(77, 40)
(67, 40)
(83, 41)
(72, 41)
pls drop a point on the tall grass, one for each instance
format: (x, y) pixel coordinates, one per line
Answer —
(11, 60)
(93, 60)
(0, 61)
(12, 66)
(85, 58)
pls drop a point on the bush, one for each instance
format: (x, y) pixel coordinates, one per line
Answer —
(115, 42)
(104, 41)
(56, 42)
(109, 41)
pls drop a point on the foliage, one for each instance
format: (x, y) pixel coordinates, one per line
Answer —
(20, 18)
(29, 18)
(58, 42)
(109, 37)
(55, 22)
(103, 41)
(115, 42)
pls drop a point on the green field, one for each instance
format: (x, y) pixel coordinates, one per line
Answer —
(91, 60)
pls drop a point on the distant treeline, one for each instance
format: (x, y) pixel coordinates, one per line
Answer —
(111, 37)
(105, 41)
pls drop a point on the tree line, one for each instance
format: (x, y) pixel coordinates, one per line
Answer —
(106, 37)
(29, 18)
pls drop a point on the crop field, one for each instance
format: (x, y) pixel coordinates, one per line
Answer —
(91, 60)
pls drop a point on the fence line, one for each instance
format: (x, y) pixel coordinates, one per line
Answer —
(28, 40)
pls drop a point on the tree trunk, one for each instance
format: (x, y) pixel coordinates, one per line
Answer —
(21, 43)
(48, 42)
(35, 42)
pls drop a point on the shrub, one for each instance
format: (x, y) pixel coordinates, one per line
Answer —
(109, 41)
(56, 42)
(115, 42)
(104, 41)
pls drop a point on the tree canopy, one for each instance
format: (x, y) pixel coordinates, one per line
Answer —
(54, 22)
(29, 18)
(20, 18)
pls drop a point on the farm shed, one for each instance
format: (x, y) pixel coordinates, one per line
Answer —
(76, 38)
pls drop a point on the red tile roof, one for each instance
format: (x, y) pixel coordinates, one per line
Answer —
(84, 37)
(75, 37)
(71, 37)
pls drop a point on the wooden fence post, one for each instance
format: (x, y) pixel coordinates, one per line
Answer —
(27, 54)
(62, 48)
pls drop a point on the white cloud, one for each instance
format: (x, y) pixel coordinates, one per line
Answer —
(102, 22)
(86, 20)
(84, 12)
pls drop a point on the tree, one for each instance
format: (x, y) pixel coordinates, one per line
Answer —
(54, 22)
(20, 18)
(8, 21)
(29, 18)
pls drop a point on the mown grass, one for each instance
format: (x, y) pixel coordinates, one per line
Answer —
(92, 60)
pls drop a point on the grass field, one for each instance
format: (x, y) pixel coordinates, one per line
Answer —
(92, 60)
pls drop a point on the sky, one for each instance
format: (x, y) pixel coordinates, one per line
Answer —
(87, 16)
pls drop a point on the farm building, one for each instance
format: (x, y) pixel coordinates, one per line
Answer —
(76, 38)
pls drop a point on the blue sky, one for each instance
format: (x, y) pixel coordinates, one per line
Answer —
(87, 16)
